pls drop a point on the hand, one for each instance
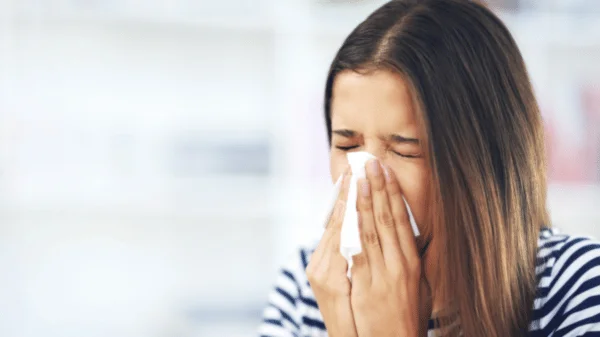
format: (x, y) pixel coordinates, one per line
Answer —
(386, 276)
(326, 274)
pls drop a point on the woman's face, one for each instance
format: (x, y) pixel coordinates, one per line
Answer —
(374, 113)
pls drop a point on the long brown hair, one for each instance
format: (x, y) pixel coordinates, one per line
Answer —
(484, 144)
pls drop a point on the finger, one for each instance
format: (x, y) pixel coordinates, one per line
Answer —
(331, 261)
(384, 220)
(333, 225)
(336, 217)
(368, 232)
(329, 244)
(330, 241)
(406, 237)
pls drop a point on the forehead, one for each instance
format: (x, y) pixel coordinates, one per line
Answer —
(376, 100)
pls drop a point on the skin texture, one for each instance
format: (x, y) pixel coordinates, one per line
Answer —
(389, 294)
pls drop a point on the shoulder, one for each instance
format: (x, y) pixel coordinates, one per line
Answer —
(568, 296)
(564, 255)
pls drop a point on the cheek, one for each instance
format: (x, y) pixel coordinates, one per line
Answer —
(337, 164)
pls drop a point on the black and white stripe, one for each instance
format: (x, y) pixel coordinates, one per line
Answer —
(567, 303)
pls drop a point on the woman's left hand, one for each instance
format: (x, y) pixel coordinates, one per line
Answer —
(386, 276)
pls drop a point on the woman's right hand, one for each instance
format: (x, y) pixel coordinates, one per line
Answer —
(327, 270)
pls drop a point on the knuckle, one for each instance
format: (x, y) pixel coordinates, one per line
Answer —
(366, 204)
(385, 219)
(314, 278)
(335, 246)
(370, 238)
(359, 260)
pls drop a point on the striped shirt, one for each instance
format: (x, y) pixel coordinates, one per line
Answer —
(567, 303)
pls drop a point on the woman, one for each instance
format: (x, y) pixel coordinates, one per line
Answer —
(437, 90)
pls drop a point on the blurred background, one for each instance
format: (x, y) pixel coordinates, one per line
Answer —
(160, 159)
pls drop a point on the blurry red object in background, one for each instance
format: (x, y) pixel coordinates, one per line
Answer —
(576, 161)
(564, 156)
(591, 110)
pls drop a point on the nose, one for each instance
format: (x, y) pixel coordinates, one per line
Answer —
(375, 147)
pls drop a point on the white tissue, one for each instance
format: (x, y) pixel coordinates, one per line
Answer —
(350, 237)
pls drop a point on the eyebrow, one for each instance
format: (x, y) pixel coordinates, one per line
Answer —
(393, 138)
(345, 133)
(401, 139)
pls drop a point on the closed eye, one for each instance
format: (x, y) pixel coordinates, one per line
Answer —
(407, 155)
(347, 148)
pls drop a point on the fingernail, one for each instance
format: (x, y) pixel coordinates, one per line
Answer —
(375, 167)
(386, 173)
(365, 189)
